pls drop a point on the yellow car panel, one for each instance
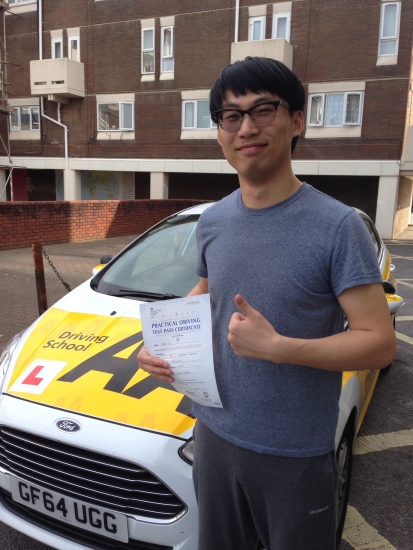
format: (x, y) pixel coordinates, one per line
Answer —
(87, 364)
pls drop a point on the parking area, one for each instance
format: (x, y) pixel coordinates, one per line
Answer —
(380, 515)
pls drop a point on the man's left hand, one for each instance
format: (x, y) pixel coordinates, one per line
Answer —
(250, 334)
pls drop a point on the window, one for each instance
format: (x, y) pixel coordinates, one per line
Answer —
(25, 119)
(389, 28)
(256, 29)
(57, 48)
(115, 116)
(74, 48)
(196, 115)
(19, 2)
(281, 26)
(148, 51)
(167, 49)
(338, 109)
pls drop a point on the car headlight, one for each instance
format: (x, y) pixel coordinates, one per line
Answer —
(186, 452)
(6, 355)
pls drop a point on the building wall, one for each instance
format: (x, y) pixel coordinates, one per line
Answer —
(110, 46)
(73, 221)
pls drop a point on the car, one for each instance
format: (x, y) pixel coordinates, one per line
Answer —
(94, 452)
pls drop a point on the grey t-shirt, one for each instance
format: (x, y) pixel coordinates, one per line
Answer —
(290, 261)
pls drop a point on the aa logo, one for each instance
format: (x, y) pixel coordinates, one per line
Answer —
(123, 369)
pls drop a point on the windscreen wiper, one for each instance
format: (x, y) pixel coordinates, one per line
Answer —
(142, 294)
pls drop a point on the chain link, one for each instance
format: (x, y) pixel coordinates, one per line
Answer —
(67, 287)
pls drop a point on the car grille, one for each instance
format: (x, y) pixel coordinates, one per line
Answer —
(70, 532)
(87, 476)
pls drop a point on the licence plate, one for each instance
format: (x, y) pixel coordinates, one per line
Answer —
(75, 512)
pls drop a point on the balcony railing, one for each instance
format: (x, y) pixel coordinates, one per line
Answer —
(57, 77)
(275, 48)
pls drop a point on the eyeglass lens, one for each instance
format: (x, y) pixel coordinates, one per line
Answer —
(262, 115)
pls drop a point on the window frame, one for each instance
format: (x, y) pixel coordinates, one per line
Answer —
(396, 37)
(251, 21)
(172, 56)
(275, 18)
(120, 129)
(146, 50)
(54, 42)
(30, 107)
(71, 39)
(343, 119)
(212, 125)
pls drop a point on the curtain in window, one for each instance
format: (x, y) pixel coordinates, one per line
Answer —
(127, 116)
(24, 118)
(352, 109)
(282, 27)
(256, 32)
(35, 118)
(74, 52)
(334, 110)
(15, 120)
(316, 113)
(148, 39)
(204, 116)
(167, 43)
(390, 21)
(189, 118)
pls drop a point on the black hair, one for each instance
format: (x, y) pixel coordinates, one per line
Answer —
(258, 75)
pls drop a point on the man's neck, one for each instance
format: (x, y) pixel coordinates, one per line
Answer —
(267, 193)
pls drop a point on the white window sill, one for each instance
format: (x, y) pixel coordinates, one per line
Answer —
(147, 78)
(116, 136)
(199, 134)
(386, 60)
(166, 76)
(22, 8)
(327, 133)
(25, 135)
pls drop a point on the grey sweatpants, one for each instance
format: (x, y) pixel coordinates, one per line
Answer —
(244, 496)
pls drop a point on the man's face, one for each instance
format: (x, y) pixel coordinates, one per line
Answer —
(259, 152)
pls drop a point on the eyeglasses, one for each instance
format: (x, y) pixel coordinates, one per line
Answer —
(263, 114)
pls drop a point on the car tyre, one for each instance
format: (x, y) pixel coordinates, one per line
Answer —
(344, 460)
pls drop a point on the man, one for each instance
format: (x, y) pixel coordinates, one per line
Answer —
(294, 260)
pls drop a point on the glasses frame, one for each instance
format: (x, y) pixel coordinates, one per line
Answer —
(244, 112)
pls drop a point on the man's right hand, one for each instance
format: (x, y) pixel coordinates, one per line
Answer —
(154, 366)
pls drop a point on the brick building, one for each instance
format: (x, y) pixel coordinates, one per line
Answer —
(110, 97)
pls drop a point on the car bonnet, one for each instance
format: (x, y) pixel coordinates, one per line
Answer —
(79, 358)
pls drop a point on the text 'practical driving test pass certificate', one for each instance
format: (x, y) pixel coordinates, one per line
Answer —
(179, 331)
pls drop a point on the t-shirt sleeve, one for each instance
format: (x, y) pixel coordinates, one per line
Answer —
(353, 259)
(201, 266)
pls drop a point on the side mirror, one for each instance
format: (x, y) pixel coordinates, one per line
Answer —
(106, 259)
(388, 288)
(103, 261)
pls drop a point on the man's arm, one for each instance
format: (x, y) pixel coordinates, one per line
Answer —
(156, 367)
(369, 344)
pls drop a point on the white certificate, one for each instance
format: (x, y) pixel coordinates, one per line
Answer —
(179, 331)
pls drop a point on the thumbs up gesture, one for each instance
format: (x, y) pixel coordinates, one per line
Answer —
(250, 334)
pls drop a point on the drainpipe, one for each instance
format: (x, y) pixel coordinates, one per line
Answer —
(236, 19)
(58, 122)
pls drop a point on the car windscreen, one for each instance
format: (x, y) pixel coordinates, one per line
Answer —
(161, 262)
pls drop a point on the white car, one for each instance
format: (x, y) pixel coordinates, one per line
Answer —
(94, 453)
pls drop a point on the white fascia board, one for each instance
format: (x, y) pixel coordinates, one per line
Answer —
(212, 166)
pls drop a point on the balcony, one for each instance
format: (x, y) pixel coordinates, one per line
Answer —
(275, 48)
(58, 79)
